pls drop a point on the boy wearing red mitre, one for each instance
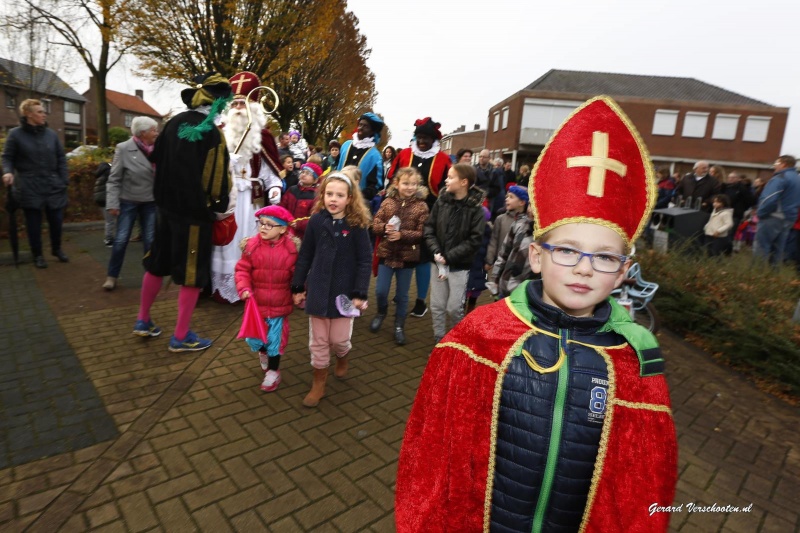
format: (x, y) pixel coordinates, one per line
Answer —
(548, 410)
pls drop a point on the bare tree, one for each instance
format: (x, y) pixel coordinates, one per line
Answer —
(85, 26)
(24, 36)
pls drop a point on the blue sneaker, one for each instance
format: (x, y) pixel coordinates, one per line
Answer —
(192, 343)
(146, 329)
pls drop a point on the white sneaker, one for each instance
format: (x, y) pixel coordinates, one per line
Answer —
(263, 358)
(271, 380)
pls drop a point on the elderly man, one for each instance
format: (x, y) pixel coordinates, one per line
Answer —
(699, 184)
(778, 207)
(191, 191)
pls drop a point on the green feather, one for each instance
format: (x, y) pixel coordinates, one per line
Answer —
(195, 133)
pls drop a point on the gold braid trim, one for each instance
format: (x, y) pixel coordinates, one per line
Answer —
(472, 355)
(539, 368)
(604, 435)
(644, 406)
(498, 391)
(598, 348)
(191, 256)
(527, 322)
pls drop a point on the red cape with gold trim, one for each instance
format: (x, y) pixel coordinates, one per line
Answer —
(269, 151)
(444, 482)
(436, 175)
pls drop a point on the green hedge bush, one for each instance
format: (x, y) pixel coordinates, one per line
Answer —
(737, 309)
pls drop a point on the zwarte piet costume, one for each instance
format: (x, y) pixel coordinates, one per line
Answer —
(529, 419)
(364, 154)
(191, 186)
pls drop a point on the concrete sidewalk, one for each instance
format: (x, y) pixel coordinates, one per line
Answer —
(105, 431)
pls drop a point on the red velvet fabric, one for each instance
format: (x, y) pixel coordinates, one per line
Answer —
(443, 468)
(559, 192)
(436, 176)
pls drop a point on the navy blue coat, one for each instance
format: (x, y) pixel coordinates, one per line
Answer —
(36, 158)
(334, 259)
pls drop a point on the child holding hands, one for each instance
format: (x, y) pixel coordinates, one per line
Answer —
(265, 273)
(400, 220)
(335, 259)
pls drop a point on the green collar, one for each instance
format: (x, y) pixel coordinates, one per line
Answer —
(643, 342)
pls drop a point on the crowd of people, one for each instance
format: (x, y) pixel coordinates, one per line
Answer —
(226, 206)
(761, 212)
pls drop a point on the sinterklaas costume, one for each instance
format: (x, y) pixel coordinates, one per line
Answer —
(528, 419)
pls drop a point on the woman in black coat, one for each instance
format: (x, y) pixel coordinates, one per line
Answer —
(35, 168)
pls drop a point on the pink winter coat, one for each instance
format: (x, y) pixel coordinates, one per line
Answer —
(266, 270)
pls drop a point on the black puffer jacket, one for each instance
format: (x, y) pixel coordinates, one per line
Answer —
(36, 158)
(537, 412)
(455, 228)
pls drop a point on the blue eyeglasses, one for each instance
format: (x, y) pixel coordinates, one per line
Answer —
(601, 261)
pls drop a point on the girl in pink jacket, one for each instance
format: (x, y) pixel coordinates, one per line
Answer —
(265, 272)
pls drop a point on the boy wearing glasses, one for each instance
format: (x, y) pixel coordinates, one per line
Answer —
(548, 410)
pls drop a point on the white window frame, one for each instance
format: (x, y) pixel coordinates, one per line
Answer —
(756, 129)
(128, 119)
(505, 118)
(46, 104)
(496, 125)
(665, 122)
(691, 124)
(72, 117)
(725, 127)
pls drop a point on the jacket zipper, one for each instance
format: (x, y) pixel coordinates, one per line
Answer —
(555, 437)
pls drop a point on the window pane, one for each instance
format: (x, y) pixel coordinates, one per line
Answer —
(694, 124)
(725, 127)
(496, 121)
(505, 117)
(665, 122)
(756, 129)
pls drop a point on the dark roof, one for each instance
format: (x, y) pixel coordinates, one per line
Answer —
(129, 102)
(638, 86)
(47, 83)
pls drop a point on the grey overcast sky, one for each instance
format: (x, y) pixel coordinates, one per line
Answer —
(452, 60)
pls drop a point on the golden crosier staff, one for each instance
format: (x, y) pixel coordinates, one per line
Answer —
(261, 101)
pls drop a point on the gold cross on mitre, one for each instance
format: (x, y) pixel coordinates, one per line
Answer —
(598, 163)
(241, 81)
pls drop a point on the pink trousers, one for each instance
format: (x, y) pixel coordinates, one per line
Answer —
(326, 335)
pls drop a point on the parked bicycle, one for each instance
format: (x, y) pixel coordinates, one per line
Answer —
(636, 294)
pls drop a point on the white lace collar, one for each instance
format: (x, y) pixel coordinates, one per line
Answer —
(426, 154)
(366, 142)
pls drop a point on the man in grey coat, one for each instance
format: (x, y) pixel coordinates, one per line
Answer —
(129, 192)
(35, 168)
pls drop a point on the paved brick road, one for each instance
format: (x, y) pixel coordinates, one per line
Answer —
(197, 446)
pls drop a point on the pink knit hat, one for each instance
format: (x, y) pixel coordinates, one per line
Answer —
(277, 214)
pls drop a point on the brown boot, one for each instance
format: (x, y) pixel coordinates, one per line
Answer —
(317, 388)
(341, 367)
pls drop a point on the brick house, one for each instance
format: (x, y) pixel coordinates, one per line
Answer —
(64, 106)
(461, 138)
(121, 109)
(681, 120)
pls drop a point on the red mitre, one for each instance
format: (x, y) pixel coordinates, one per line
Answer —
(242, 83)
(595, 169)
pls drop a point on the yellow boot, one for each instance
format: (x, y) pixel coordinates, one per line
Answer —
(317, 388)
